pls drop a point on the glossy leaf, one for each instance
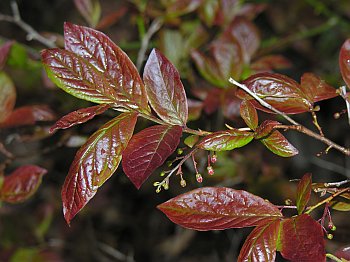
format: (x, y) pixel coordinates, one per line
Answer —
(28, 115)
(191, 140)
(90, 10)
(7, 96)
(79, 116)
(78, 77)
(279, 145)
(344, 62)
(225, 140)
(148, 150)
(301, 239)
(265, 129)
(95, 162)
(21, 183)
(108, 59)
(4, 52)
(218, 208)
(249, 114)
(316, 89)
(261, 244)
(303, 192)
(165, 91)
(280, 91)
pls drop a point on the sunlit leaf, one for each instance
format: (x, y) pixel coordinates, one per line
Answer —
(280, 91)
(95, 162)
(261, 243)
(303, 192)
(28, 115)
(148, 150)
(265, 129)
(344, 62)
(249, 114)
(218, 208)
(301, 239)
(7, 96)
(225, 140)
(90, 10)
(279, 145)
(21, 183)
(4, 52)
(79, 116)
(113, 64)
(165, 91)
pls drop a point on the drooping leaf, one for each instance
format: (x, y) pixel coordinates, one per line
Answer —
(78, 77)
(95, 162)
(344, 62)
(21, 183)
(261, 243)
(7, 96)
(301, 239)
(148, 150)
(265, 128)
(280, 91)
(108, 59)
(4, 52)
(191, 140)
(28, 115)
(225, 140)
(79, 116)
(165, 91)
(315, 88)
(303, 192)
(279, 145)
(90, 10)
(249, 114)
(218, 208)
(270, 62)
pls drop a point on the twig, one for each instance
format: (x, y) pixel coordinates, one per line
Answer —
(154, 27)
(344, 96)
(116, 254)
(32, 34)
(333, 257)
(337, 184)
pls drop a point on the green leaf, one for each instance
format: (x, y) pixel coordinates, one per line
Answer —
(191, 140)
(279, 145)
(341, 202)
(7, 96)
(303, 192)
(249, 114)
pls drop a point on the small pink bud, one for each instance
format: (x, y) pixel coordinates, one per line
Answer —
(210, 170)
(199, 178)
(213, 159)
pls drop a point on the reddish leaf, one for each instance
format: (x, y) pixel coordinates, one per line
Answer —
(4, 51)
(225, 140)
(79, 116)
(301, 239)
(28, 115)
(165, 91)
(95, 162)
(303, 192)
(249, 114)
(107, 58)
(112, 18)
(271, 62)
(7, 96)
(261, 243)
(343, 253)
(78, 77)
(228, 9)
(178, 8)
(212, 100)
(194, 109)
(316, 89)
(279, 91)
(279, 145)
(230, 104)
(344, 62)
(148, 150)
(265, 129)
(90, 10)
(250, 11)
(21, 183)
(218, 208)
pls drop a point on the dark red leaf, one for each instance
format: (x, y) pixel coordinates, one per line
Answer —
(148, 150)
(343, 253)
(106, 57)
(270, 62)
(4, 51)
(28, 115)
(280, 91)
(165, 91)
(316, 89)
(261, 244)
(344, 62)
(301, 239)
(265, 129)
(303, 192)
(95, 162)
(230, 104)
(21, 183)
(249, 114)
(7, 96)
(194, 109)
(79, 116)
(225, 140)
(218, 208)
(212, 100)
(279, 145)
(112, 18)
